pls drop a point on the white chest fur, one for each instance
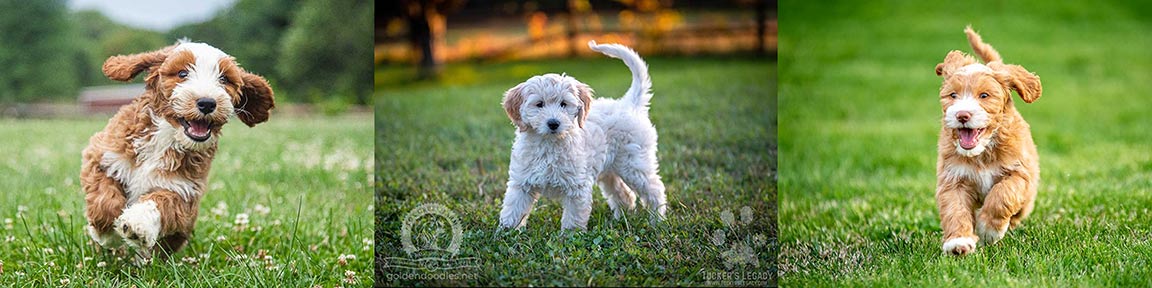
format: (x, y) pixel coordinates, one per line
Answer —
(551, 165)
(149, 170)
(982, 178)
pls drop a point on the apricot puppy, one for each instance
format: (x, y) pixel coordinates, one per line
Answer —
(988, 170)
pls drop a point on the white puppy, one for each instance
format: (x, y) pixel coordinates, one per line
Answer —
(564, 145)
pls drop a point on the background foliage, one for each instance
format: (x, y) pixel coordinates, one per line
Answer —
(327, 59)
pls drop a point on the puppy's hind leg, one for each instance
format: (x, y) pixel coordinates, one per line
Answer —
(518, 203)
(619, 196)
(104, 200)
(646, 182)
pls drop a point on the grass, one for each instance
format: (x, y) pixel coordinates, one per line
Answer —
(302, 181)
(859, 121)
(448, 142)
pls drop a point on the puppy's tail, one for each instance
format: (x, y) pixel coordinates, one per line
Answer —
(983, 49)
(638, 94)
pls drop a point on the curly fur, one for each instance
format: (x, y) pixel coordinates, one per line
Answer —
(988, 169)
(144, 174)
(566, 142)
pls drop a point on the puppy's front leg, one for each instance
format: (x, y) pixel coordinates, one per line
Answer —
(518, 203)
(577, 208)
(161, 217)
(956, 201)
(1004, 200)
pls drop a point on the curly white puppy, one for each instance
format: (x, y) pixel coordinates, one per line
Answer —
(563, 146)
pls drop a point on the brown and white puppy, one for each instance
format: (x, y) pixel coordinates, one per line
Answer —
(988, 169)
(144, 174)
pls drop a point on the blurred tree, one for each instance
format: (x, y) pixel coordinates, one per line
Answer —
(39, 53)
(102, 38)
(250, 30)
(427, 24)
(327, 52)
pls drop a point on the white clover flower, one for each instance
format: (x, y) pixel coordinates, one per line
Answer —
(48, 250)
(221, 209)
(263, 210)
(65, 281)
(101, 264)
(241, 219)
(220, 238)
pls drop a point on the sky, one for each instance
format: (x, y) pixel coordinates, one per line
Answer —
(158, 15)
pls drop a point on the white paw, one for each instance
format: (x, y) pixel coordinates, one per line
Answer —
(990, 235)
(107, 240)
(139, 226)
(511, 220)
(960, 246)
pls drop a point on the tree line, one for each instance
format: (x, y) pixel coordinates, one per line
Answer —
(310, 50)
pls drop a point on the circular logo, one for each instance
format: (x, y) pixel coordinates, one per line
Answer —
(431, 210)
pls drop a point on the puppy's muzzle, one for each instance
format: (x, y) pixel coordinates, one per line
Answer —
(963, 116)
(553, 124)
(206, 105)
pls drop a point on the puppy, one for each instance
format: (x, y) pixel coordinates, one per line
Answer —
(566, 142)
(144, 174)
(988, 170)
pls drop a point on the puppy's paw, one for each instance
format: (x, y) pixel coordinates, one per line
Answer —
(960, 246)
(139, 226)
(990, 232)
(106, 240)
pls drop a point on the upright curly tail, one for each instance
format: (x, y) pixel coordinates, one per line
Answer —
(639, 94)
(982, 49)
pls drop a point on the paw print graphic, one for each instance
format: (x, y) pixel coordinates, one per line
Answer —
(739, 252)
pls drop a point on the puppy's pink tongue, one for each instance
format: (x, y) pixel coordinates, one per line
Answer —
(968, 137)
(198, 128)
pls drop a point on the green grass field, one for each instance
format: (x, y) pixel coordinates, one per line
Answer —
(858, 128)
(449, 143)
(303, 182)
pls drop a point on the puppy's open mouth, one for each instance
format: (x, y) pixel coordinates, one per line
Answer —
(197, 130)
(969, 137)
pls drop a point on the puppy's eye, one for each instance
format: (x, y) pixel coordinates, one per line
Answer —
(223, 79)
(539, 104)
(953, 95)
(563, 104)
(983, 95)
(182, 74)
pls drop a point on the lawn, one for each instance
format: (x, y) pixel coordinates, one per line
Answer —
(447, 142)
(859, 122)
(301, 182)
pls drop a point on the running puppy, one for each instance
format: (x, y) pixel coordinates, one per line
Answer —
(143, 176)
(988, 170)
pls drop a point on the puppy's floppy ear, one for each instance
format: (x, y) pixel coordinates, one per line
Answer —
(1017, 78)
(513, 99)
(585, 94)
(125, 67)
(954, 60)
(256, 99)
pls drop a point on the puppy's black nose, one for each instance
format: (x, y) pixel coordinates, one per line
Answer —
(553, 124)
(206, 105)
(963, 116)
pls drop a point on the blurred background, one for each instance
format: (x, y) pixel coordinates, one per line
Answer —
(310, 50)
(448, 31)
(442, 136)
